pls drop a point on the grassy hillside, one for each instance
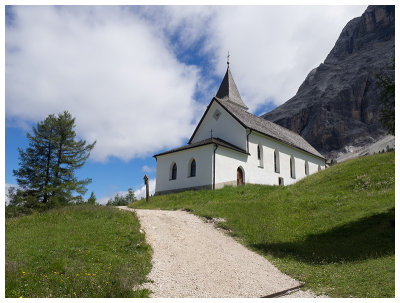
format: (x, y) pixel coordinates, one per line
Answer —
(333, 230)
(76, 251)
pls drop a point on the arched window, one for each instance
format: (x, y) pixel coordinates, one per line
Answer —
(319, 167)
(192, 168)
(306, 168)
(173, 171)
(276, 161)
(260, 155)
(292, 168)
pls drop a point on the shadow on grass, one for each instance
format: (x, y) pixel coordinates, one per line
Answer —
(367, 238)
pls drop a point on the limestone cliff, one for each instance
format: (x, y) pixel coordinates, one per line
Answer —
(337, 105)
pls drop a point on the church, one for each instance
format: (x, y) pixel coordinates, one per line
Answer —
(231, 147)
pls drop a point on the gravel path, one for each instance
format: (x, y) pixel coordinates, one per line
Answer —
(194, 259)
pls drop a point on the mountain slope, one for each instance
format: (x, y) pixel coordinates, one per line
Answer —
(338, 103)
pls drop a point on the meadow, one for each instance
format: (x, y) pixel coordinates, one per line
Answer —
(333, 230)
(77, 251)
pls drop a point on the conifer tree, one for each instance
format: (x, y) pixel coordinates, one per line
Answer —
(48, 165)
(92, 199)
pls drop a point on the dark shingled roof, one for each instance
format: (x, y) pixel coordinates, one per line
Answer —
(228, 90)
(268, 128)
(205, 142)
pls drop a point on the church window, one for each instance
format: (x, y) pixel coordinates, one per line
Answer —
(306, 168)
(319, 167)
(173, 171)
(276, 161)
(192, 168)
(292, 168)
(260, 155)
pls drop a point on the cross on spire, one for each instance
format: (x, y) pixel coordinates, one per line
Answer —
(227, 59)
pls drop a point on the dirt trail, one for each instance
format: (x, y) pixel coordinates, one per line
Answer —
(194, 259)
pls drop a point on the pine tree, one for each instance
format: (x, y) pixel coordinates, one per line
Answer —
(92, 199)
(130, 197)
(48, 165)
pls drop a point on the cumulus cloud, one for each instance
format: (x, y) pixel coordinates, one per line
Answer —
(120, 70)
(148, 169)
(105, 65)
(272, 48)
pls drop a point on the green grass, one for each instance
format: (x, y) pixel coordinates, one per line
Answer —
(76, 251)
(333, 230)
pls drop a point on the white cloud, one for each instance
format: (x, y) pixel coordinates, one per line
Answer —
(117, 72)
(272, 48)
(148, 169)
(113, 72)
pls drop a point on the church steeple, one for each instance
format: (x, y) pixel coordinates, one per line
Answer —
(228, 90)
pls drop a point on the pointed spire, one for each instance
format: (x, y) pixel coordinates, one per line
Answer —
(228, 90)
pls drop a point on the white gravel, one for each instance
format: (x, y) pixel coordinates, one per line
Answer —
(194, 259)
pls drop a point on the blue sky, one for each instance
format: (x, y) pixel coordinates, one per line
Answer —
(138, 78)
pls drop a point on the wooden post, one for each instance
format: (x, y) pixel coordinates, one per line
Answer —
(146, 181)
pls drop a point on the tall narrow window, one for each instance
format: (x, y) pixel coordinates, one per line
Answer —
(292, 168)
(306, 168)
(276, 161)
(319, 167)
(192, 168)
(173, 172)
(260, 155)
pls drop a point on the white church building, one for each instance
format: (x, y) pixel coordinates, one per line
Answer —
(231, 146)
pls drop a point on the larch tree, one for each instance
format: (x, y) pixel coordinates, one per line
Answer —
(48, 165)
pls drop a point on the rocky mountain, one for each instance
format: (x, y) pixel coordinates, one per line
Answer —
(337, 105)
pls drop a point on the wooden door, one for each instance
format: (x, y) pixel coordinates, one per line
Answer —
(239, 176)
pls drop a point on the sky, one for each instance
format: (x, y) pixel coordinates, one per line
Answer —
(138, 78)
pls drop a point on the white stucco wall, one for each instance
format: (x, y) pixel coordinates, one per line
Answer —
(225, 127)
(227, 162)
(203, 156)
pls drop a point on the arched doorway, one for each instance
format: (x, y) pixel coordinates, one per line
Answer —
(239, 177)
